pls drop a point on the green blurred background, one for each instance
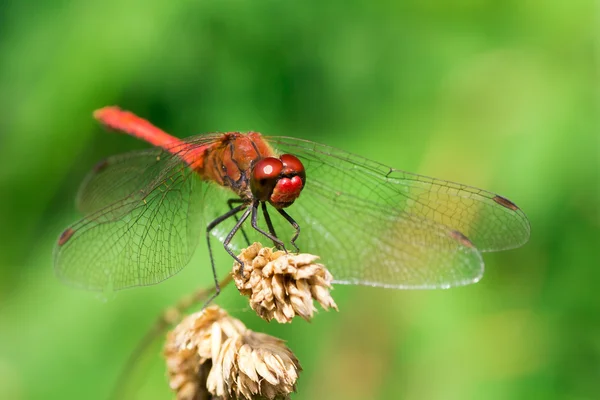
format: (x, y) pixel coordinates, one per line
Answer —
(501, 95)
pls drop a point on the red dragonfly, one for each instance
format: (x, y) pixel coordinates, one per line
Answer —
(371, 224)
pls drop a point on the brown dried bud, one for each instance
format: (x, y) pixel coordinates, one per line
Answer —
(211, 355)
(281, 285)
(254, 365)
(191, 346)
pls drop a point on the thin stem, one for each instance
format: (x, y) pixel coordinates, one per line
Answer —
(169, 317)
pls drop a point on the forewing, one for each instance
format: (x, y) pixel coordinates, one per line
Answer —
(379, 226)
(118, 177)
(144, 222)
(490, 221)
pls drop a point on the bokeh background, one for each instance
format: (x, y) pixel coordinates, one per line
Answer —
(501, 95)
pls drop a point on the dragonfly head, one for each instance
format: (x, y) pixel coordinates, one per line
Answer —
(278, 180)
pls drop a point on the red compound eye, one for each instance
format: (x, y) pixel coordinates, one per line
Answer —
(264, 177)
(292, 165)
(290, 183)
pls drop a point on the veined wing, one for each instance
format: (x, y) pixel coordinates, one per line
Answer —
(379, 226)
(143, 224)
(120, 176)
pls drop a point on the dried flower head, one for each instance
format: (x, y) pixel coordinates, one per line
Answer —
(211, 355)
(254, 365)
(281, 285)
(192, 345)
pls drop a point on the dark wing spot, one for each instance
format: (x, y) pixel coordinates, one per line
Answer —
(462, 239)
(100, 166)
(505, 203)
(65, 236)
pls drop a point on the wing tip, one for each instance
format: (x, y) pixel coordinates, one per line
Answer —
(65, 236)
(506, 203)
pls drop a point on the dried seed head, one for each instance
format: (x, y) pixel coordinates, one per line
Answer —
(253, 366)
(211, 355)
(192, 345)
(281, 285)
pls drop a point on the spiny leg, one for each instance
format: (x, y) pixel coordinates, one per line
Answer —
(230, 236)
(230, 203)
(278, 243)
(268, 221)
(294, 224)
(209, 228)
(232, 233)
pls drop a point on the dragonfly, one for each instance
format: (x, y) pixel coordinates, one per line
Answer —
(146, 211)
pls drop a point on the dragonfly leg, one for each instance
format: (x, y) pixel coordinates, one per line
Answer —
(269, 223)
(210, 227)
(230, 236)
(278, 243)
(294, 224)
(230, 203)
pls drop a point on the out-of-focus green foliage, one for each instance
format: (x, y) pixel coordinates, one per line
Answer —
(501, 95)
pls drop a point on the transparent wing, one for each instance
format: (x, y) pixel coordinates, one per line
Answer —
(116, 178)
(379, 226)
(144, 221)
